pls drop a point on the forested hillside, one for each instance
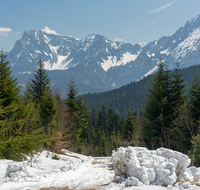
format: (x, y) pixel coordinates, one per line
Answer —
(131, 95)
(39, 119)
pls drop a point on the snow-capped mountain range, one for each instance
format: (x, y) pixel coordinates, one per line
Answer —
(97, 63)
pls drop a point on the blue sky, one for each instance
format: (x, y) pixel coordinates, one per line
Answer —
(130, 21)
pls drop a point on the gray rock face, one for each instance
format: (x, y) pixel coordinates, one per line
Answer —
(99, 64)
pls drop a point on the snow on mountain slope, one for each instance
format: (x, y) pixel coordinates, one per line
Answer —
(189, 45)
(113, 62)
(100, 63)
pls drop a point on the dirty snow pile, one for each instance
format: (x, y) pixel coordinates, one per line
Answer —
(138, 166)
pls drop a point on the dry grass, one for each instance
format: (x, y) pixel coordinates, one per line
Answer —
(68, 155)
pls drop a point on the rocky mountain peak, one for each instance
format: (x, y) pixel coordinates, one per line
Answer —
(99, 63)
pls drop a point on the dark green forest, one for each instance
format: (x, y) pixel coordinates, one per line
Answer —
(131, 95)
(161, 110)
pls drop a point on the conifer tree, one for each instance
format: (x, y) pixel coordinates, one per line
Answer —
(77, 110)
(42, 95)
(103, 120)
(181, 111)
(178, 91)
(187, 124)
(10, 92)
(129, 127)
(41, 82)
(19, 134)
(157, 111)
(194, 97)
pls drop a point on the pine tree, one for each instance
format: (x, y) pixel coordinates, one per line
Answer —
(19, 132)
(194, 97)
(129, 127)
(40, 82)
(181, 112)
(178, 91)
(157, 111)
(10, 92)
(187, 124)
(42, 95)
(103, 122)
(77, 110)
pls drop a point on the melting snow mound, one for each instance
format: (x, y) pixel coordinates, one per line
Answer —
(136, 166)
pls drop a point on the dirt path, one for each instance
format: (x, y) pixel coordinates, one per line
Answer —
(91, 179)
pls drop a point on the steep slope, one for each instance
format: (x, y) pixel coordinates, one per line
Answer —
(131, 95)
(98, 64)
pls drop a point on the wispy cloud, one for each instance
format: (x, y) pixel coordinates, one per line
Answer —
(154, 21)
(17, 32)
(118, 40)
(162, 7)
(129, 31)
(5, 31)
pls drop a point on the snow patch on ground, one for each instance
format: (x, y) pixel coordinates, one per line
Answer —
(76, 171)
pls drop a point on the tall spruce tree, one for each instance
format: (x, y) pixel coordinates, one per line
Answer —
(194, 97)
(129, 127)
(10, 92)
(41, 82)
(157, 111)
(190, 119)
(19, 134)
(178, 91)
(42, 95)
(78, 113)
(180, 111)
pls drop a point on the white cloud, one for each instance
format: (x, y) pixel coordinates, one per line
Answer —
(154, 21)
(142, 44)
(162, 7)
(49, 31)
(70, 36)
(5, 31)
(118, 39)
(129, 31)
(17, 32)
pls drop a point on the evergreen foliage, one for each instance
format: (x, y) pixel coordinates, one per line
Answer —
(178, 88)
(184, 128)
(78, 112)
(41, 82)
(41, 94)
(129, 127)
(10, 92)
(157, 110)
(19, 133)
(194, 96)
(133, 95)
